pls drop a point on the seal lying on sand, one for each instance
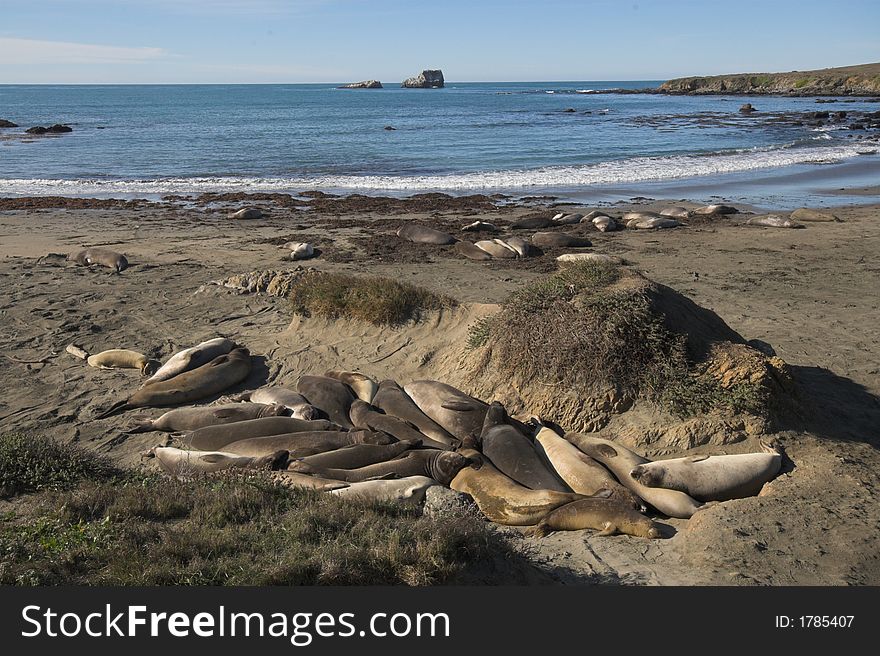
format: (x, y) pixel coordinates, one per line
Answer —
(605, 224)
(215, 436)
(293, 479)
(357, 455)
(190, 419)
(442, 466)
(608, 516)
(503, 500)
(408, 490)
(773, 221)
(364, 415)
(709, 210)
(247, 213)
(191, 358)
(300, 445)
(471, 251)
(395, 402)
(567, 219)
(713, 478)
(219, 374)
(533, 223)
(480, 226)
(559, 240)
(123, 359)
(455, 411)
(424, 235)
(521, 246)
(330, 395)
(675, 212)
(362, 385)
(654, 223)
(293, 401)
(180, 463)
(103, 256)
(497, 249)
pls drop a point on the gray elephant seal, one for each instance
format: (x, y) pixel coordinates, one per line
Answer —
(479, 226)
(102, 256)
(424, 235)
(567, 219)
(497, 249)
(471, 252)
(294, 401)
(773, 221)
(191, 358)
(503, 500)
(302, 481)
(532, 223)
(605, 224)
(459, 414)
(621, 462)
(300, 445)
(521, 246)
(713, 478)
(190, 419)
(364, 415)
(123, 359)
(178, 462)
(363, 386)
(675, 212)
(513, 454)
(330, 395)
(393, 401)
(247, 213)
(654, 223)
(217, 435)
(608, 516)
(219, 374)
(594, 214)
(410, 490)
(559, 240)
(708, 210)
(356, 455)
(442, 466)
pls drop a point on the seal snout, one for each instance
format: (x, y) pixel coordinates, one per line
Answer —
(642, 475)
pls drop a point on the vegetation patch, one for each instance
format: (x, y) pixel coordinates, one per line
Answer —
(376, 300)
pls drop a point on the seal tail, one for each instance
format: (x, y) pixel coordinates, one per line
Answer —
(141, 426)
(115, 409)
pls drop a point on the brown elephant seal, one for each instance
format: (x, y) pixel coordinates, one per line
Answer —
(191, 358)
(605, 224)
(709, 210)
(459, 414)
(356, 455)
(300, 445)
(471, 252)
(807, 214)
(579, 471)
(480, 226)
(424, 235)
(364, 415)
(178, 462)
(102, 256)
(503, 500)
(330, 395)
(712, 478)
(363, 386)
(215, 436)
(621, 462)
(675, 212)
(497, 249)
(410, 490)
(219, 374)
(559, 240)
(513, 453)
(772, 221)
(293, 401)
(442, 466)
(532, 223)
(393, 401)
(654, 223)
(247, 213)
(124, 359)
(190, 419)
(608, 516)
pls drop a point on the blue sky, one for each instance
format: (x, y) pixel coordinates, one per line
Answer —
(290, 41)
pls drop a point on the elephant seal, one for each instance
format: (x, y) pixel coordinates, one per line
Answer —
(181, 463)
(364, 415)
(124, 359)
(503, 500)
(513, 453)
(217, 435)
(471, 252)
(356, 455)
(708, 210)
(675, 212)
(532, 223)
(103, 256)
(605, 224)
(593, 215)
(330, 395)
(634, 217)
(521, 246)
(410, 489)
(247, 213)
(579, 471)
(191, 358)
(300, 445)
(588, 257)
(363, 386)
(302, 481)
(294, 401)
(480, 226)
(393, 401)
(442, 466)
(712, 478)
(567, 219)
(190, 419)
(806, 214)
(301, 250)
(773, 221)
(559, 240)
(654, 223)
(424, 235)
(621, 462)
(219, 374)
(497, 249)
(608, 516)
(459, 414)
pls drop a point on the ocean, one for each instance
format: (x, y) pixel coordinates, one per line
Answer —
(513, 138)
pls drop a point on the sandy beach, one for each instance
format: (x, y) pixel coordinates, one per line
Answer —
(810, 293)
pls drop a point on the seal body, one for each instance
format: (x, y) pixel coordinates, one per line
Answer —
(532, 223)
(653, 223)
(608, 516)
(459, 414)
(363, 386)
(480, 226)
(521, 246)
(675, 212)
(496, 248)
(307, 443)
(410, 489)
(471, 251)
(394, 401)
(605, 224)
(190, 419)
(181, 463)
(191, 358)
(567, 219)
(424, 235)
(102, 256)
(295, 402)
(559, 240)
(218, 435)
(247, 213)
(302, 481)
(123, 359)
(442, 466)
(356, 455)
(708, 210)
(772, 221)
(363, 415)
(330, 395)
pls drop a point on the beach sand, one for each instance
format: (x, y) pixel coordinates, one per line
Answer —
(812, 294)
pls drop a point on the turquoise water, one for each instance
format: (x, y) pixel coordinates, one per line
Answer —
(508, 137)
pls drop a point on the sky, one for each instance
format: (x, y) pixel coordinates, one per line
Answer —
(305, 41)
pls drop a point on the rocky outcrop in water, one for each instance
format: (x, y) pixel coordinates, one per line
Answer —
(428, 79)
(7, 124)
(53, 129)
(366, 84)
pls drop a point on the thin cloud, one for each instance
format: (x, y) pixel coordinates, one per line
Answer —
(31, 51)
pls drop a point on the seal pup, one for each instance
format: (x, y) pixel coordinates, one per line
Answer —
(190, 419)
(191, 358)
(300, 445)
(559, 240)
(247, 213)
(513, 453)
(393, 401)
(357, 455)
(459, 414)
(410, 489)
(424, 235)
(219, 374)
(364, 415)
(480, 226)
(102, 256)
(608, 516)
(178, 462)
(217, 435)
(442, 466)
(471, 252)
(503, 500)
(773, 221)
(123, 359)
(713, 478)
(497, 249)
(330, 395)
(294, 401)
(621, 462)
(362, 385)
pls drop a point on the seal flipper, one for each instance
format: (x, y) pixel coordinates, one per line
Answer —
(390, 476)
(223, 413)
(116, 408)
(608, 529)
(458, 406)
(141, 426)
(700, 458)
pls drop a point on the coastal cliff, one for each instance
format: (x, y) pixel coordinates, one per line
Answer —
(863, 80)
